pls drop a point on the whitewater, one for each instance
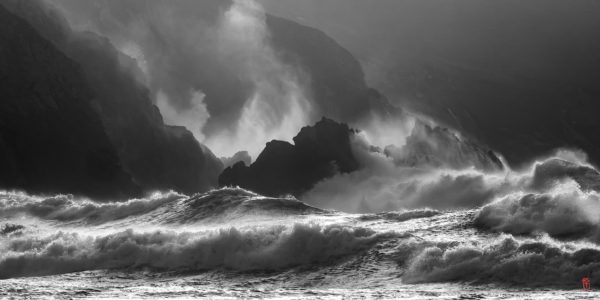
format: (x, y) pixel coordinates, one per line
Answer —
(536, 239)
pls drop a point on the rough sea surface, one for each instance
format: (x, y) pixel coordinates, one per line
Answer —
(231, 243)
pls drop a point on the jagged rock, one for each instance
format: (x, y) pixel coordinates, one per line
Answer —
(319, 151)
(240, 156)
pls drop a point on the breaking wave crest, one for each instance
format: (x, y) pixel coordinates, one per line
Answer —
(169, 207)
(270, 248)
(65, 208)
(566, 211)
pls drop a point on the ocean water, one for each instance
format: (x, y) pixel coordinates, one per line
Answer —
(232, 243)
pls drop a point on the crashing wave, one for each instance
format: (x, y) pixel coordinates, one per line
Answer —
(240, 202)
(508, 261)
(270, 248)
(556, 170)
(565, 211)
(66, 208)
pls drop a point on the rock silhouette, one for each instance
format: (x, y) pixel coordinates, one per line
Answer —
(51, 138)
(319, 151)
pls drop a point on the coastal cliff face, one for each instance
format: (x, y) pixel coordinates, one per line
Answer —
(318, 152)
(156, 155)
(338, 82)
(51, 138)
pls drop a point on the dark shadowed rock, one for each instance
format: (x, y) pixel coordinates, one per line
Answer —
(319, 151)
(51, 139)
(337, 78)
(157, 156)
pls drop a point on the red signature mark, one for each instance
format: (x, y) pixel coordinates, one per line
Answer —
(585, 281)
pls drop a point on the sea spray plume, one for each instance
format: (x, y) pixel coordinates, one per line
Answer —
(382, 131)
(437, 168)
(270, 248)
(277, 106)
(563, 211)
(558, 195)
(193, 118)
(177, 43)
(430, 167)
(189, 47)
(555, 170)
(218, 49)
(434, 146)
(394, 188)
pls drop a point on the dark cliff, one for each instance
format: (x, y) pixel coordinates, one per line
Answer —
(337, 78)
(157, 156)
(319, 152)
(51, 139)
